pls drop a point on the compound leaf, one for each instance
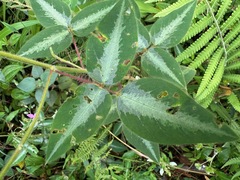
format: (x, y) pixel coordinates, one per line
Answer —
(161, 112)
(110, 56)
(77, 119)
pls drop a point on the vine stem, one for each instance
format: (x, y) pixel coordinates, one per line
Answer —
(63, 60)
(218, 29)
(41, 64)
(136, 151)
(78, 53)
(29, 130)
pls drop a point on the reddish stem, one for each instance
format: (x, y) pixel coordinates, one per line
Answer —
(79, 79)
(78, 53)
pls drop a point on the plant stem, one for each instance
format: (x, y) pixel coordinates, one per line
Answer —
(78, 53)
(219, 31)
(4, 11)
(63, 60)
(41, 64)
(136, 151)
(29, 130)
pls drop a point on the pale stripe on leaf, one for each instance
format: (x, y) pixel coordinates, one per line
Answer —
(51, 12)
(139, 103)
(56, 37)
(159, 64)
(84, 23)
(84, 110)
(165, 33)
(110, 58)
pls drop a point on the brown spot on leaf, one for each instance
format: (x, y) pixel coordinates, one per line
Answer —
(87, 99)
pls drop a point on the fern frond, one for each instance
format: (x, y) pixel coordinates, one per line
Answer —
(97, 156)
(197, 45)
(232, 78)
(210, 71)
(208, 99)
(218, 42)
(223, 9)
(172, 7)
(214, 83)
(232, 161)
(235, 16)
(233, 33)
(205, 53)
(233, 56)
(234, 65)
(200, 9)
(234, 101)
(236, 175)
(234, 45)
(197, 27)
(217, 25)
(88, 147)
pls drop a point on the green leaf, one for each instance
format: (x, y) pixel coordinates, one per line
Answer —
(78, 118)
(44, 77)
(158, 63)
(10, 71)
(2, 77)
(109, 58)
(188, 73)
(39, 93)
(19, 94)
(51, 12)
(143, 37)
(161, 112)
(87, 19)
(16, 26)
(149, 148)
(64, 83)
(146, 8)
(57, 37)
(37, 71)
(112, 114)
(53, 95)
(135, 8)
(168, 30)
(11, 115)
(28, 84)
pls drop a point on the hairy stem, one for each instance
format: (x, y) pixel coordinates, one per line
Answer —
(78, 53)
(41, 64)
(63, 60)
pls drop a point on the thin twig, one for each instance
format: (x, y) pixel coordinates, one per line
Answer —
(136, 151)
(78, 53)
(63, 60)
